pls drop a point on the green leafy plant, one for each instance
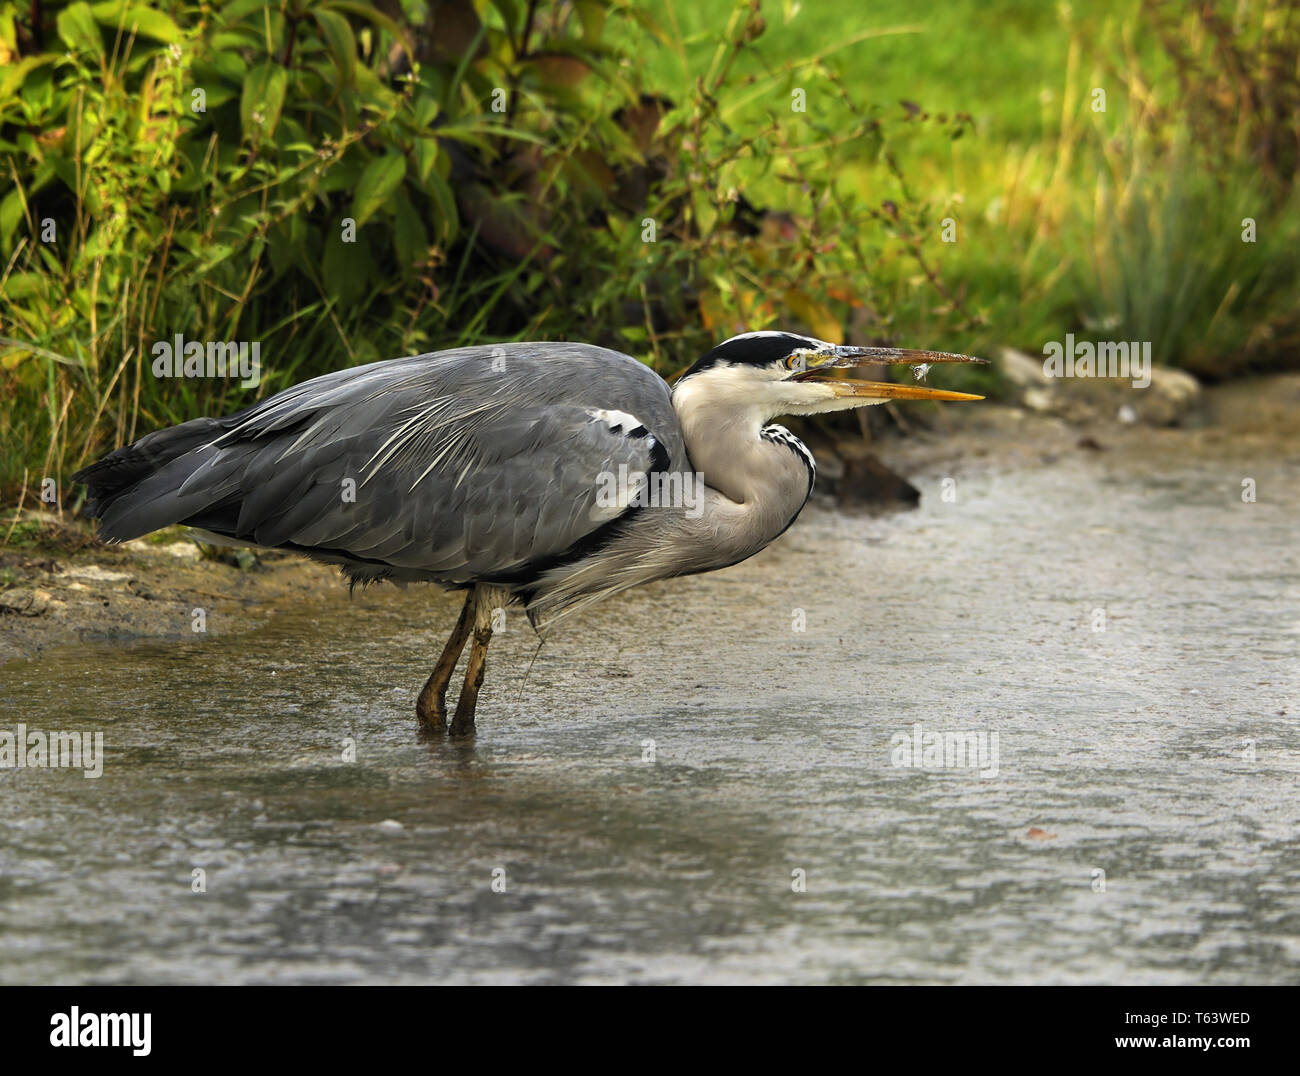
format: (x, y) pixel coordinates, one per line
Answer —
(344, 182)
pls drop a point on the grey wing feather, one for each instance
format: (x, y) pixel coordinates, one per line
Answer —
(467, 464)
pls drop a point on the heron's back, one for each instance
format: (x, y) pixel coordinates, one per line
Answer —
(478, 464)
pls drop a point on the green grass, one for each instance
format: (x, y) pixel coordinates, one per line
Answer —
(1004, 64)
(1002, 61)
(1058, 229)
(996, 59)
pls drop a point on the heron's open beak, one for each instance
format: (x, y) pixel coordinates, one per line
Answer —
(844, 356)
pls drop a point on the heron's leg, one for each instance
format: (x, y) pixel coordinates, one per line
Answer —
(462, 724)
(431, 706)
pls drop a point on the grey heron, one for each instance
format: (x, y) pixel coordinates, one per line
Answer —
(550, 475)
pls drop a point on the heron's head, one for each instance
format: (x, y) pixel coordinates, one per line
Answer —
(779, 373)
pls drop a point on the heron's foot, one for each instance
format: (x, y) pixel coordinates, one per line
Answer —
(431, 713)
(462, 724)
(431, 705)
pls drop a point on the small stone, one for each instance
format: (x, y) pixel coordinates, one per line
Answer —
(867, 481)
(24, 602)
(1023, 371)
(95, 574)
(1038, 399)
(1171, 395)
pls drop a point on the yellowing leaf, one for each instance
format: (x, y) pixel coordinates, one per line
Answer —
(816, 315)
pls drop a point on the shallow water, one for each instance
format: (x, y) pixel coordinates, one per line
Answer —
(1126, 751)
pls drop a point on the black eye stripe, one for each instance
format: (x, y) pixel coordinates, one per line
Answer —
(753, 350)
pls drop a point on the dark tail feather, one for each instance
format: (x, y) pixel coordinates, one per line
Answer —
(114, 482)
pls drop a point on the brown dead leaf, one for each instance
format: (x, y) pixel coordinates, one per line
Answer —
(558, 71)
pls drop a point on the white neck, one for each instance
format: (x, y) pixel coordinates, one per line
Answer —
(760, 485)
